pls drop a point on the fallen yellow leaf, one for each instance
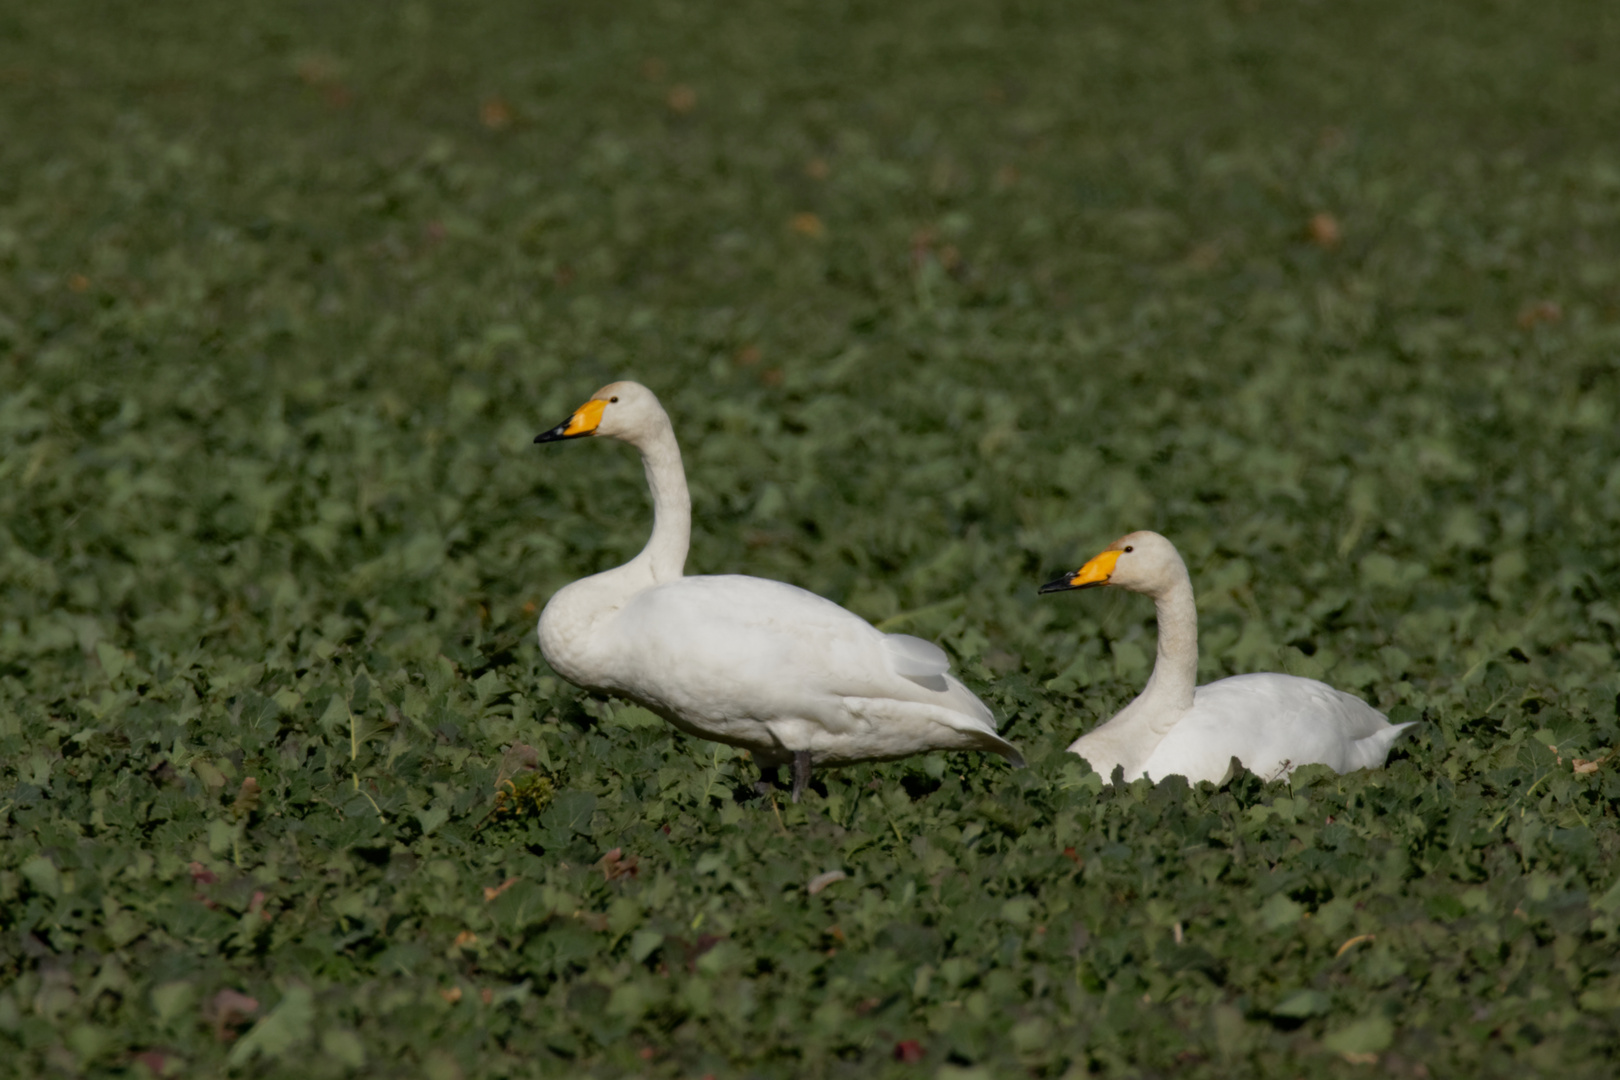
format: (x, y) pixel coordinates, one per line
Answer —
(492, 891)
(808, 224)
(682, 98)
(1359, 939)
(495, 113)
(1325, 231)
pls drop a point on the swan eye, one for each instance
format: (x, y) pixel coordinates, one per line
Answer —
(1128, 548)
(611, 400)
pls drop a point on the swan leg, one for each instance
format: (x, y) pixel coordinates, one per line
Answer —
(801, 772)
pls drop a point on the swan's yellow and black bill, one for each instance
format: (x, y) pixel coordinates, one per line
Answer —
(1094, 573)
(583, 422)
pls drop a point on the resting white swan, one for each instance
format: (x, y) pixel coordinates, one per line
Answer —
(760, 664)
(1271, 723)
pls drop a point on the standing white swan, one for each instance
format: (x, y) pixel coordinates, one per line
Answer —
(1271, 723)
(760, 664)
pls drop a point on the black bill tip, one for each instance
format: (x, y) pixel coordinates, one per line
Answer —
(1062, 584)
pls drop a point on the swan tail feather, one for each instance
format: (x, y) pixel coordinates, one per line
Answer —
(966, 701)
(927, 665)
(979, 731)
(1374, 749)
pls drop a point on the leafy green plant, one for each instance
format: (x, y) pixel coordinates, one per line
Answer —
(940, 297)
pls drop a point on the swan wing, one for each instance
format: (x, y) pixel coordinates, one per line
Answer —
(914, 657)
(927, 665)
(721, 655)
(1273, 723)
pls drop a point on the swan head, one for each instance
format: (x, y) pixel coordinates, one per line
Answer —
(1143, 562)
(619, 410)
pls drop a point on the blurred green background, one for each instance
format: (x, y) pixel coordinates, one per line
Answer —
(942, 298)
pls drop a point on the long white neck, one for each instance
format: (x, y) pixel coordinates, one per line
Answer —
(665, 553)
(1175, 672)
(571, 624)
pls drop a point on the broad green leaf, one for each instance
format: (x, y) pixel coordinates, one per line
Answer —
(1367, 1036)
(1301, 1004)
(43, 875)
(283, 1029)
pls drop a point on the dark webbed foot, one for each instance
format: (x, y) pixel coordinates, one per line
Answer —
(801, 772)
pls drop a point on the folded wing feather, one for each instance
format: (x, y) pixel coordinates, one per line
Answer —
(923, 662)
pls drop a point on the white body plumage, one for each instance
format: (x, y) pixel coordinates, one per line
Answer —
(1271, 723)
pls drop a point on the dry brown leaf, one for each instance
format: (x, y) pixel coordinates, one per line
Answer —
(1324, 230)
(495, 113)
(615, 865)
(160, 1061)
(1359, 939)
(807, 224)
(682, 99)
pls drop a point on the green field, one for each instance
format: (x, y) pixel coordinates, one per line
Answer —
(942, 298)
